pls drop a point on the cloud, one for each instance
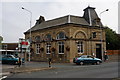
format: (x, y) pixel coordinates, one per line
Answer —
(15, 21)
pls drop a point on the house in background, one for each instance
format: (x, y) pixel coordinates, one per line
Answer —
(67, 37)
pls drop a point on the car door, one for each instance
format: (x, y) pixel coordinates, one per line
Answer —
(89, 59)
(4, 59)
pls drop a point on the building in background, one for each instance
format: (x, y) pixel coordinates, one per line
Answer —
(67, 37)
(9, 48)
(1, 39)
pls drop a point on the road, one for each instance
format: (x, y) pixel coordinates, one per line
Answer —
(70, 70)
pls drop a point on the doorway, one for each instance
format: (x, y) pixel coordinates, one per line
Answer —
(98, 51)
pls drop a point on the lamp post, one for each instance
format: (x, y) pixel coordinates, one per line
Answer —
(101, 28)
(101, 24)
(30, 39)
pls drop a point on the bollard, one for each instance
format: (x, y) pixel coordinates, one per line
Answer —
(19, 62)
(49, 62)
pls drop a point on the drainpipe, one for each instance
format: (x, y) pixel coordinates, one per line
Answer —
(68, 18)
(89, 17)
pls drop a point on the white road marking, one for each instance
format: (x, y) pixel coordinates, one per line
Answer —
(3, 77)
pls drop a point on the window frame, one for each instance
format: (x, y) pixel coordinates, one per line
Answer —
(48, 47)
(80, 47)
(59, 36)
(37, 48)
(37, 40)
(61, 47)
(47, 37)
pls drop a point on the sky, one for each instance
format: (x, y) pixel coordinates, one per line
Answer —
(14, 21)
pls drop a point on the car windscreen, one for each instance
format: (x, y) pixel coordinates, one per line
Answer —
(84, 56)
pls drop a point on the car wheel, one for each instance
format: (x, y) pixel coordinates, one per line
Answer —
(97, 62)
(81, 63)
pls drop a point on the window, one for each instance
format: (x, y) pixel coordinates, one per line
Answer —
(48, 48)
(61, 47)
(48, 37)
(80, 47)
(94, 34)
(61, 35)
(37, 38)
(37, 48)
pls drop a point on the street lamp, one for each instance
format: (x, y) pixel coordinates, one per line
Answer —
(101, 27)
(30, 39)
(101, 24)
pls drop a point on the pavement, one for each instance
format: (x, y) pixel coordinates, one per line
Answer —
(6, 69)
(31, 66)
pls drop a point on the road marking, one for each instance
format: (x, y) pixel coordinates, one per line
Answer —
(3, 77)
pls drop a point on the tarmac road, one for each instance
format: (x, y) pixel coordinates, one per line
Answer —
(70, 70)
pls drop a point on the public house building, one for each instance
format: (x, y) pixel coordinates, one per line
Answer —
(66, 37)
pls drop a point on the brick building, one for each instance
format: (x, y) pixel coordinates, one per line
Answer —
(67, 37)
(9, 48)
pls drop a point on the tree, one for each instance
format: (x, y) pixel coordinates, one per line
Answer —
(1, 39)
(112, 39)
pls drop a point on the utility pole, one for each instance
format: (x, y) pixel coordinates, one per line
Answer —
(30, 39)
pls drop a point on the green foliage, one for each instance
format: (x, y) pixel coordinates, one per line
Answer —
(1, 39)
(112, 39)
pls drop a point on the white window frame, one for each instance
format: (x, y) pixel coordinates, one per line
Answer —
(61, 44)
(37, 48)
(80, 47)
(48, 46)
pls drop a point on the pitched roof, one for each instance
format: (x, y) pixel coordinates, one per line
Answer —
(90, 12)
(60, 21)
(90, 18)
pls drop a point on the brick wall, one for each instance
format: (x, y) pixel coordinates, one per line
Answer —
(114, 55)
(111, 52)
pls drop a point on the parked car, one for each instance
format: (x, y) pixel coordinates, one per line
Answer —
(11, 59)
(86, 59)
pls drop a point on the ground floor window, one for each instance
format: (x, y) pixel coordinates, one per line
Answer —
(48, 48)
(61, 47)
(37, 48)
(80, 47)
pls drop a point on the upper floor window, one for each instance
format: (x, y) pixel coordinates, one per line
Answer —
(48, 37)
(37, 38)
(94, 34)
(61, 35)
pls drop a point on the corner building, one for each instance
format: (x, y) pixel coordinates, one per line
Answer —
(67, 37)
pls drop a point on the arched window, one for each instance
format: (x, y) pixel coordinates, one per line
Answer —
(61, 35)
(37, 38)
(48, 37)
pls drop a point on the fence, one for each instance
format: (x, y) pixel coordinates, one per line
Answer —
(112, 52)
(113, 55)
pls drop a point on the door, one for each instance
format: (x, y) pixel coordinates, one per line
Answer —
(98, 51)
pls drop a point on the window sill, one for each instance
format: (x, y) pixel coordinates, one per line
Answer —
(60, 53)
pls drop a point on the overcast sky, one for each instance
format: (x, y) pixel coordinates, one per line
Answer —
(14, 21)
